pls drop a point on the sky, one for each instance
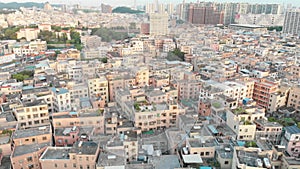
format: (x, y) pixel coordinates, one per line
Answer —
(139, 2)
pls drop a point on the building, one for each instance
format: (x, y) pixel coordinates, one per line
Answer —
(99, 87)
(241, 121)
(268, 130)
(205, 15)
(260, 19)
(66, 136)
(32, 114)
(28, 145)
(291, 140)
(28, 33)
(159, 23)
(83, 155)
(7, 58)
(61, 99)
(294, 98)
(262, 92)
(291, 23)
(30, 48)
(87, 119)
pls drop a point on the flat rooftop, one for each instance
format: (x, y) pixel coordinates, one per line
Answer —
(20, 133)
(110, 159)
(26, 149)
(88, 148)
(53, 153)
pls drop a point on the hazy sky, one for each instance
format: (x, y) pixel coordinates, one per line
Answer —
(130, 2)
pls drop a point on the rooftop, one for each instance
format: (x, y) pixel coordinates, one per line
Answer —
(20, 133)
(87, 148)
(26, 149)
(292, 129)
(56, 153)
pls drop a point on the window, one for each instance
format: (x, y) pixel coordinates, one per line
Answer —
(65, 165)
(74, 165)
(206, 153)
(29, 159)
(226, 162)
(55, 165)
(44, 138)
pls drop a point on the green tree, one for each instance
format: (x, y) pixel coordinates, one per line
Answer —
(104, 60)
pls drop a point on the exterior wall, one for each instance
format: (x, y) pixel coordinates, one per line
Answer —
(45, 138)
(6, 149)
(246, 132)
(21, 162)
(33, 116)
(95, 121)
(66, 140)
(262, 91)
(295, 70)
(294, 98)
(99, 87)
(158, 119)
(204, 108)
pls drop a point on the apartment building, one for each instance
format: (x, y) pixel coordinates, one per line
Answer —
(291, 140)
(270, 131)
(99, 87)
(141, 76)
(93, 119)
(295, 70)
(7, 58)
(159, 23)
(66, 136)
(279, 98)
(32, 114)
(204, 146)
(61, 99)
(262, 91)
(241, 121)
(34, 135)
(28, 145)
(83, 155)
(149, 116)
(291, 24)
(28, 33)
(249, 83)
(294, 98)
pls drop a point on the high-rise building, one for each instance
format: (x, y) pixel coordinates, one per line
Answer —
(159, 23)
(201, 14)
(292, 21)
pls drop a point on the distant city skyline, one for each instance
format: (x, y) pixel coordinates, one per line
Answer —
(141, 2)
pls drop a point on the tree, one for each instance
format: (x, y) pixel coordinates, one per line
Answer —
(104, 60)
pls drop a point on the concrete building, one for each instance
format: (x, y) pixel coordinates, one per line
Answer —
(260, 19)
(241, 121)
(294, 98)
(205, 147)
(99, 87)
(270, 131)
(66, 136)
(28, 145)
(291, 140)
(28, 33)
(159, 23)
(291, 22)
(262, 92)
(83, 155)
(61, 99)
(32, 114)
